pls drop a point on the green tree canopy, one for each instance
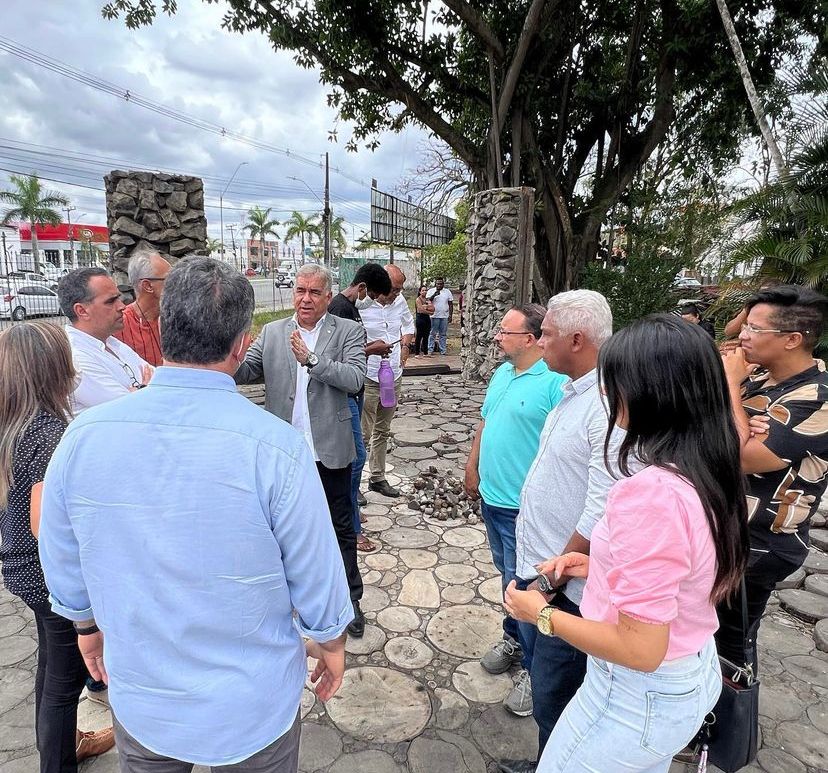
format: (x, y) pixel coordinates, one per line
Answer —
(260, 227)
(568, 97)
(32, 204)
(301, 226)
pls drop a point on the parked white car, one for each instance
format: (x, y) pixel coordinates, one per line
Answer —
(28, 300)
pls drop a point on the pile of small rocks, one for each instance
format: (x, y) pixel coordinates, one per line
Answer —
(441, 496)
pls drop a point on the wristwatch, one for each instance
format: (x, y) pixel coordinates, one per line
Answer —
(313, 360)
(545, 624)
(544, 586)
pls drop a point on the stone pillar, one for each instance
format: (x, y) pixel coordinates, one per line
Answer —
(500, 250)
(162, 210)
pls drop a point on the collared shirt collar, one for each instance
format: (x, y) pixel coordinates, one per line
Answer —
(316, 328)
(537, 369)
(192, 378)
(580, 385)
(89, 340)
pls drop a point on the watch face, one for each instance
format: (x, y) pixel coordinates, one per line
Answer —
(544, 586)
(543, 623)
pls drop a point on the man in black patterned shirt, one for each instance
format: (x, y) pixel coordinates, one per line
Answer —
(780, 400)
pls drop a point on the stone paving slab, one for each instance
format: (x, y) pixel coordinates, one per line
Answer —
(415, 699)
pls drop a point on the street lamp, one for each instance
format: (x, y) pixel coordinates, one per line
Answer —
(326, 212)
(221, 204)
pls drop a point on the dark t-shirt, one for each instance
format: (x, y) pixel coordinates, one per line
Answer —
(21, 566)
(340, 306)
(781, 503)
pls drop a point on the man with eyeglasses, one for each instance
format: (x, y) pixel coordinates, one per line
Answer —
(147, 273)
(780, 405)
(107, 368)
(519, 397)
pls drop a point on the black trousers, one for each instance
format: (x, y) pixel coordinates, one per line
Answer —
(59, 681)
(423, 328)
(337, 485)
(764, 571)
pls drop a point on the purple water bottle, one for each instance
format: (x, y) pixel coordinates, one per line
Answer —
(388, 397)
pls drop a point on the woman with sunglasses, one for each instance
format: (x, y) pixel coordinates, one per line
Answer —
(671, 545)
(36, 380)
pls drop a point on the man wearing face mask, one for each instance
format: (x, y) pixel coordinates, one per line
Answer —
(370, 281)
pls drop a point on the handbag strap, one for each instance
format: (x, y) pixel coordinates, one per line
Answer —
(747, 645)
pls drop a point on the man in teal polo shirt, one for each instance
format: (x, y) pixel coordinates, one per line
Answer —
(521, 393)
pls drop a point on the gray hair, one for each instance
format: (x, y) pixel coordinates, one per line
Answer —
(74, 288)
(206, 306)
(314, 269)
(140, 265)
(582, 311)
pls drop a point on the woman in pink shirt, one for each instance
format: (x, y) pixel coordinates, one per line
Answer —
(672, 543)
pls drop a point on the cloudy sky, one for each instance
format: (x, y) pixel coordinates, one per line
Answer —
(72, 133)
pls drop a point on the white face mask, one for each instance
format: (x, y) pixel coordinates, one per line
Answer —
(364, 303)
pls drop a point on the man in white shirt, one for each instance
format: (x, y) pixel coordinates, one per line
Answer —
(443, 301)
(107, 368)
(388, 319)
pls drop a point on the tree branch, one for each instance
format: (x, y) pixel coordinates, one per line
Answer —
(477, 25)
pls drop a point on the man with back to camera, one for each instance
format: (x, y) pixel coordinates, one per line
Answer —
(147, 271)
(370, 281)
(310, 363)
(108, 369)
(519, 396)
(192, 582)
(780, 405)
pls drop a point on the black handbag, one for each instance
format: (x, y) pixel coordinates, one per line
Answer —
(730, 734)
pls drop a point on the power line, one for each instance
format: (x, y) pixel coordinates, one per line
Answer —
(80, 76)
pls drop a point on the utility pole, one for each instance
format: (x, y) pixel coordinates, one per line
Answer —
(232, 228)
(221, 209)
(5, 252)
(326, 216)
(61, 262)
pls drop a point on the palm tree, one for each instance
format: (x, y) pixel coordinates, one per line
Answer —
(32, 204)
(213, 246)
(301, 226)
(337, 231)
(261, 226)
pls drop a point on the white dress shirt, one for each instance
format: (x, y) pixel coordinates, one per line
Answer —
(107, 370)
(387, 323)
(301, 415)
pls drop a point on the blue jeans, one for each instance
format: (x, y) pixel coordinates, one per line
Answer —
(631, 721)
(557, 672)
(355, 404)
(500, 526)
(439, 328)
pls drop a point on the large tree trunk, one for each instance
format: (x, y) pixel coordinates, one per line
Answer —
(753, 96)
(35, 252)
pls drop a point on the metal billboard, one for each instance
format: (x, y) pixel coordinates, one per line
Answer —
(403, 224)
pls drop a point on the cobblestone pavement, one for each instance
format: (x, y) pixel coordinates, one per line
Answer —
(414, 697)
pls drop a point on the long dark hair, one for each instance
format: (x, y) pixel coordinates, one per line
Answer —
(666, 376)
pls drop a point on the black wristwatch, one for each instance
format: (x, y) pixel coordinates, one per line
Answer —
(88, 631)
(544, 586)
(312, 361)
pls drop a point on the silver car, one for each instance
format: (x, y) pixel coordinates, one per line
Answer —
(30, 300)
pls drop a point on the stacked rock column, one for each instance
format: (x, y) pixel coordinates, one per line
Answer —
(163, 211)
(500, 251)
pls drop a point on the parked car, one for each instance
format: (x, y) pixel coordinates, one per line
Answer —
(25, 276)
(54, 273)
(686, 283)
(31, 300)
(282, 280)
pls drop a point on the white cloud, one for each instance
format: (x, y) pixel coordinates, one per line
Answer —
(191, 64)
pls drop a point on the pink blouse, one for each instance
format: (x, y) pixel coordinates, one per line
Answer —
(652, 557)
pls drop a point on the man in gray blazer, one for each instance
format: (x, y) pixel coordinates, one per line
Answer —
(309, 364)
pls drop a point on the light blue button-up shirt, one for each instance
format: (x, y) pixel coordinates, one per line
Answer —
(193, 526)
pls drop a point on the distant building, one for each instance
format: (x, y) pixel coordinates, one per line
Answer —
(270, 256)
(10, 258)
(56, 244)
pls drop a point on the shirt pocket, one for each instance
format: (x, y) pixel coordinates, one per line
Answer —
(344, 414)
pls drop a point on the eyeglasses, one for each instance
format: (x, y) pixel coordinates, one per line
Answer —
(131, 373)
(753, 330)
(501, 332)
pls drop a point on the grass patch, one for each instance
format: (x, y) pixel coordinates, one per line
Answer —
(261, 318)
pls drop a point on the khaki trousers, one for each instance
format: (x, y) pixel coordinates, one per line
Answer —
(376, 427)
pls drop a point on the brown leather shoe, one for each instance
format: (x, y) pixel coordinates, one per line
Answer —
(93, 743)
